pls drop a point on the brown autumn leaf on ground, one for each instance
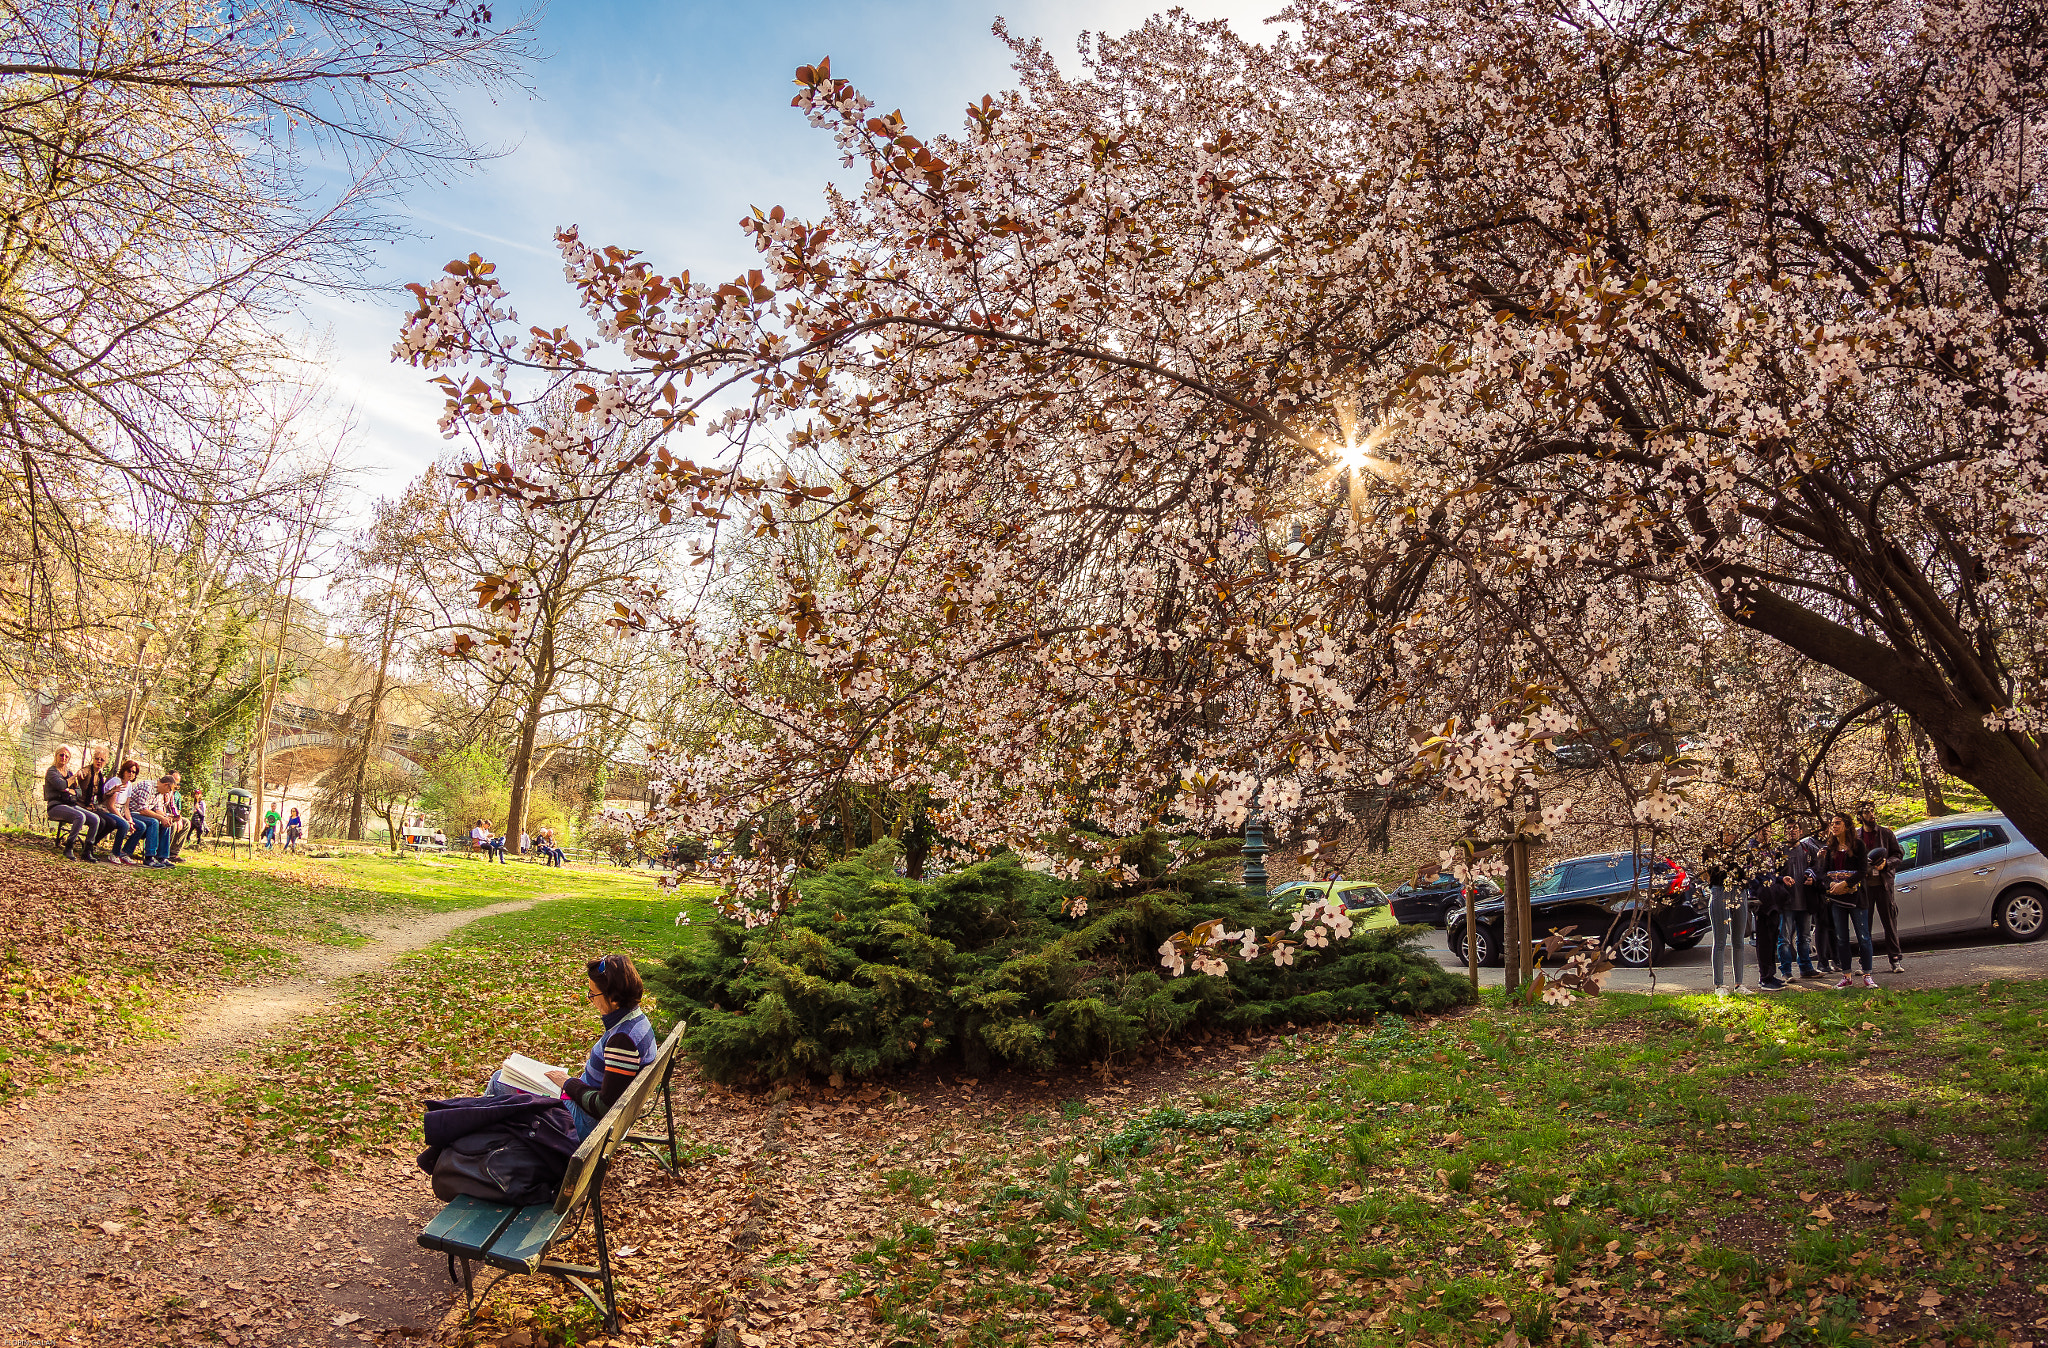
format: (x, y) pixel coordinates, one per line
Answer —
(95, 956)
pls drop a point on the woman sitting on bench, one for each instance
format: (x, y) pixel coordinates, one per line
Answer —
(613, 991)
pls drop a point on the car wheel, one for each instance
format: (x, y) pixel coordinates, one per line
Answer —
(1488, 943)
(1635, 945)
(2023, 913)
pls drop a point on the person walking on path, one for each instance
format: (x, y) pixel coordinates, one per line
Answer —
(1884, 899)
(292, 831)
(271, 819)
(197, 834)
(1727, 907)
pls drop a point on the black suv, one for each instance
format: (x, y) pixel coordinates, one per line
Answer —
(1598, 895)
(1431, 904)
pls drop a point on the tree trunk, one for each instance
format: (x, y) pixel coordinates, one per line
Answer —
(1510, 932)
(370, 736)
(1524, 917)
(1928, 768)
(1471, 946)
(2001, 764)
(128, 708)
(284, 628)
(529, 731)
(917, 846)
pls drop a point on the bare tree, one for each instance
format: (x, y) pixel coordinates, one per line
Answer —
(172, 177)
(378, 605)
(571, 668)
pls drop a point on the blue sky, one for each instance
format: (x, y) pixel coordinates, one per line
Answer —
(656, 126)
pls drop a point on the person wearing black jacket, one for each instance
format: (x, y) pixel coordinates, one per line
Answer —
(1727, 907)
(1844, 868)
(1825, 958)
(1802, 900)
(60, 799)
(90, 782)
(1883, 882)
(1770, 889)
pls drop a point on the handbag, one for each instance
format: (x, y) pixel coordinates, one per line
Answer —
(1851, 882)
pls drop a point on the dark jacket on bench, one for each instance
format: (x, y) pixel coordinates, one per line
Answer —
(505, 1148)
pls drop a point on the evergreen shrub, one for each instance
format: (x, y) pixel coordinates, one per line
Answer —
(869, 972)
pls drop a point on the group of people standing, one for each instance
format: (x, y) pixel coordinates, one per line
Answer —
(1808, 903)
(91, 804)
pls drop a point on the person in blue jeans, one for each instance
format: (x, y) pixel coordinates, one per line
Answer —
(151, 825)
(613, 990)
(1845, 867)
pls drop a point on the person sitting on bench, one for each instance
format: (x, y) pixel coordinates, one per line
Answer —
(60, 799)
(613, 990)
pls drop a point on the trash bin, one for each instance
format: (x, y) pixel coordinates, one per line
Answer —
(239, 802)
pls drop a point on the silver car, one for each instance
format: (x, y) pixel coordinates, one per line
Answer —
(1966, 872)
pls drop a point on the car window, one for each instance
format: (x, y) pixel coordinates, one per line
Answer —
(1915, 849)
(1595, 874)
(1549, 882)
(1960, 842)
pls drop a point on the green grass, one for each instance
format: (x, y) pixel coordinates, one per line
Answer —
(439, 1021)
(1794, 1170)
(92, 958)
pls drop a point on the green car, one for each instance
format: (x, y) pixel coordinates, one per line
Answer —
(1354, 894)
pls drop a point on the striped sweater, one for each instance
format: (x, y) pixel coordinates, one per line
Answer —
(615, 1059)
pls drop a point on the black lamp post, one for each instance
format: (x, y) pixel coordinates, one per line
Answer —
(1255, 851)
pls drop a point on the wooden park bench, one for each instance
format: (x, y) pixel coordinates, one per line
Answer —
(517, 1240)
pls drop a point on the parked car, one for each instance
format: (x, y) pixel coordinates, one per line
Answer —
(1596, 896)
(1355, 894)
(1432, 904)
(1576, 755)
(1970, 871)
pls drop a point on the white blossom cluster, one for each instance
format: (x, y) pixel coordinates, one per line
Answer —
(1020, 482)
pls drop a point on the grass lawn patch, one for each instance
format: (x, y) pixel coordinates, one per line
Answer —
(95, 957)
(1802, 1169)
(441, 1019)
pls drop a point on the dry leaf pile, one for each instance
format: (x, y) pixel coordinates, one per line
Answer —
(95, 956)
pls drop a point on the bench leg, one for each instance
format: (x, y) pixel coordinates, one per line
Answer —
(668, 1107)
(604, 1258)
(472, 1300)
(671, 1160)
(572, 1276)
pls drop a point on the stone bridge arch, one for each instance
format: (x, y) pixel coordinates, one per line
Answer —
(299, 740)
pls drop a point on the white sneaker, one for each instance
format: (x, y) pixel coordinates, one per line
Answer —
(1742, 991)
(1720, 991)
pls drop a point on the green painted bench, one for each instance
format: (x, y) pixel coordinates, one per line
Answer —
(514, 1240)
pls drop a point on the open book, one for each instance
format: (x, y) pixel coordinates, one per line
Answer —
(528, 1074)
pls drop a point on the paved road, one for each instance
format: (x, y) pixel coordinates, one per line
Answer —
(1935, 962)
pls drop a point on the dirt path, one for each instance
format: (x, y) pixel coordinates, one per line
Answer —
(131, 1213)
